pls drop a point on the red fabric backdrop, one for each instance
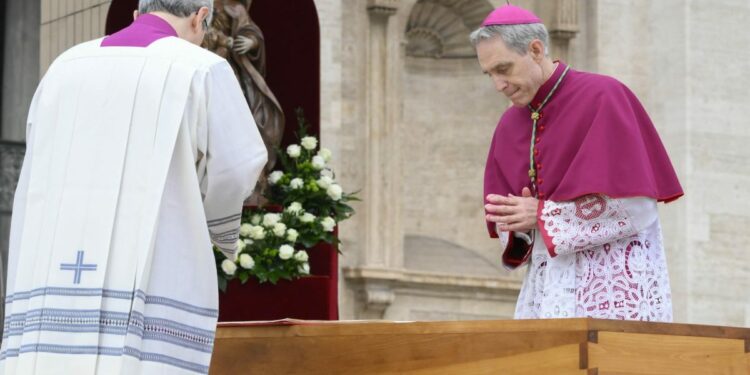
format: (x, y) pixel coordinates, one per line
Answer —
(313, 298)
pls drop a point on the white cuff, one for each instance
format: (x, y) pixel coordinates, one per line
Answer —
(524, 236)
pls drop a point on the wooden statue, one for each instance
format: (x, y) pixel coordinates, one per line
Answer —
(234, 36)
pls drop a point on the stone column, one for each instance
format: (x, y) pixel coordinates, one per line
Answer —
(563, 28)
(382, 195)
(383, 240)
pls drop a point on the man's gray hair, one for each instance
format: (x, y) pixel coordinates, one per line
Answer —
(516, 37)
(179, 8)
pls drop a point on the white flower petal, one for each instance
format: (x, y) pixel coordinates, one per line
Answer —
(301, 256)
(309, 143)
(245, 229)
(318, 162)
(296, 183)
(228, 267)
(334, 191)
(293, 151)
(325, 154)
(291, 235)
(286, 252)
(275, 176)
(247, 262)
(328, 224)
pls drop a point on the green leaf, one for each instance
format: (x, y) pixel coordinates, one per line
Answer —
(309, 243)
(244, 276)
(223, 284)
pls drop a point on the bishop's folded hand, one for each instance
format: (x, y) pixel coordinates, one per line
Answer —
(513, 213)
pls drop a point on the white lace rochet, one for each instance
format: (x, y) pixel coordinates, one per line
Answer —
(597, 257)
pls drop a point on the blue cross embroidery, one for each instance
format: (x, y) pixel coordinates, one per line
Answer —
(78, 267)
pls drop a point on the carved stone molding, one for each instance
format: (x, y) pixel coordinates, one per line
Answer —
(440, 28)
(373, 294)
(382, 7)
(377, 288)
(565, 25)
(377, 301)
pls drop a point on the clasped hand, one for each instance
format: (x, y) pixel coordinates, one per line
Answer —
(512, 213)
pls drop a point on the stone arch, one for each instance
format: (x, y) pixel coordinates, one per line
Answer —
(441, 28)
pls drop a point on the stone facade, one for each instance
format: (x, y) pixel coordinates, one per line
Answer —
(411, 126)
(66, 23)
(682, 58)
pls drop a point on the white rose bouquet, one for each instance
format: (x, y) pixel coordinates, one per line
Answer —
(306, 203)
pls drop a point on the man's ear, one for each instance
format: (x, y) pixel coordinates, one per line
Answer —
(135, 15)
(536, 48)
(201, 15)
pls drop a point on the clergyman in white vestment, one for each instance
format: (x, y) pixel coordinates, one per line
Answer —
(140, 151)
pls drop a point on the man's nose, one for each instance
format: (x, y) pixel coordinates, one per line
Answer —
(500, 84)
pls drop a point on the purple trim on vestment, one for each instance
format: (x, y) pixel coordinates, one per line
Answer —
(146, 29)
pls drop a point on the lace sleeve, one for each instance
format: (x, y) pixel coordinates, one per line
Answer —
(591, 221)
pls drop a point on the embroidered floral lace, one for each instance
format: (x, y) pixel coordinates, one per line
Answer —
(597, 257)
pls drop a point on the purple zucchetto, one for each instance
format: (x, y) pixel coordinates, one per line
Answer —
(510, 15)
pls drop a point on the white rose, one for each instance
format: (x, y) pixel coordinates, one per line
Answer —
(240, 245)
(309, 143)
(257, 232)
(275, 176)
(293, 151)
(279, 229)
(286, 252)
(294, 208)
(228, 267)
(318, 162)
(334, 191)
(247, 262)
(296, 183)
(255, 220)
(327, 173)
(328, 224)
(325, 154)
(301, 256)
(291, 235)
(270, 220)
(324, 182)
(245, 229)
(304, 269)
(307, 218)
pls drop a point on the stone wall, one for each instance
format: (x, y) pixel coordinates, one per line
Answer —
(685, 61)
(66, 23)
(718, 129)
(682, 59)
